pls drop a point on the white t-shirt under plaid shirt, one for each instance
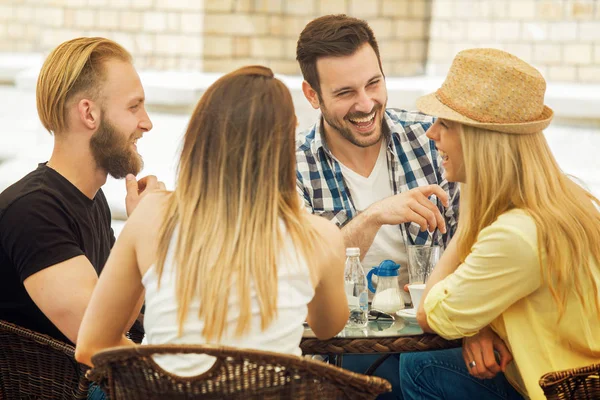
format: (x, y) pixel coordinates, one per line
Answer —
(412, 161)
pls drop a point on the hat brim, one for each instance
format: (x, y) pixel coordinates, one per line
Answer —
(430, 104)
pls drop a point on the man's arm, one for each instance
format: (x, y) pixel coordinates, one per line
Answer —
(62, 292)
(412, 206)
(37, 236)
(361, 230)
(304, 199)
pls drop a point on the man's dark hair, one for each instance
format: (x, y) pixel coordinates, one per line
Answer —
(331, 35)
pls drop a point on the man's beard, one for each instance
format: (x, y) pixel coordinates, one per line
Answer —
(347, 132)
(113, 152)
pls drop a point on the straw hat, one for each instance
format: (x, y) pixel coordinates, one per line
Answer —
(491, 89)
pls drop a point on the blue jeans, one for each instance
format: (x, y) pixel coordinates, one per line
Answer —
(95, 393)
(388, 371)
(443, 375)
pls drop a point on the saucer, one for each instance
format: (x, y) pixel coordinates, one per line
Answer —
(409, 314)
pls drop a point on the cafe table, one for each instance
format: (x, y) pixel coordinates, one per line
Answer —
(381, 336)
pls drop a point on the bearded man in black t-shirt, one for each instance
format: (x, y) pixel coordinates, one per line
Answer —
(55, 233)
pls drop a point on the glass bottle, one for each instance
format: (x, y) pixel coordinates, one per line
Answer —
(356, 289)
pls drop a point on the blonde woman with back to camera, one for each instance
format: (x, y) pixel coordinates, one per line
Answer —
(520, 279)
(230, 257)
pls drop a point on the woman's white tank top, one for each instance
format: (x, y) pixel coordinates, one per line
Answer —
(283, 335)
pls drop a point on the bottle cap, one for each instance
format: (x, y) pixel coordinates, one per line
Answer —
(352, 251)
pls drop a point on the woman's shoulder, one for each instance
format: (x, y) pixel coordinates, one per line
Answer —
(510, 240)
(329, 236)
(150, 205)
(326, 229)
(513, 225)
(517, 218)
(149, 213)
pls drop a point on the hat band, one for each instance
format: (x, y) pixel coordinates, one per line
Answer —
(479, 117)
(463, 110)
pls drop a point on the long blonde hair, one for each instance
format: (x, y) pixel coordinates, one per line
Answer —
(74, 67)
(236, 183)
(508, 171)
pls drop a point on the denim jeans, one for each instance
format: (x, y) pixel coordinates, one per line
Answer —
(443, 375)
(388, 370)
(95, 393)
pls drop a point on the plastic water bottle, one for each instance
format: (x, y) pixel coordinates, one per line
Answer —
(356, 289)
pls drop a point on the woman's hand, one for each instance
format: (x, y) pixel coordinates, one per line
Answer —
(478, 353)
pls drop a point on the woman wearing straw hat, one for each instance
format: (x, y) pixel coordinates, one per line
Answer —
(520, 279)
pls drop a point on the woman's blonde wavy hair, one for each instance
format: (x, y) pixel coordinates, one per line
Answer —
(509, 171)
(236, 184)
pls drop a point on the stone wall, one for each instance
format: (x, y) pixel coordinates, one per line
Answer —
(266, 31)
(161, 34)
(560, 37)
(213, 35)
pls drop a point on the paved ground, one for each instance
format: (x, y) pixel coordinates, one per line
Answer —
(23, 143)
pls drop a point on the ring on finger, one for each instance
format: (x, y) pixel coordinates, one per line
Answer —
(472, 364)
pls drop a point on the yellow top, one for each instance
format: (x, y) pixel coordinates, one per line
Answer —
(500, 284)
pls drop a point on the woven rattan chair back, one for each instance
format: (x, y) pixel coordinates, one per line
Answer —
(131, 373)
(36, 366)
(572, 384)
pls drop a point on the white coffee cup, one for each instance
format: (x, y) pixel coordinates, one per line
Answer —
(416, 292)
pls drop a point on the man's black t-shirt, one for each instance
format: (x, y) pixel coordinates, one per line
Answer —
(45, 220)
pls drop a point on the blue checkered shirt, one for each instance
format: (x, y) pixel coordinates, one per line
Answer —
(412, 161)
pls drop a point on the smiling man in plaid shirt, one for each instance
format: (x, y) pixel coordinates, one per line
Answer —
(369, 169)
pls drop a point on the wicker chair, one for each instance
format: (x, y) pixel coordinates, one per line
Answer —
(572, 384)
(37, 366)
(130, 373)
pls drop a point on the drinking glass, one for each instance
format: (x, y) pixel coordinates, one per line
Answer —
(421, 260)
